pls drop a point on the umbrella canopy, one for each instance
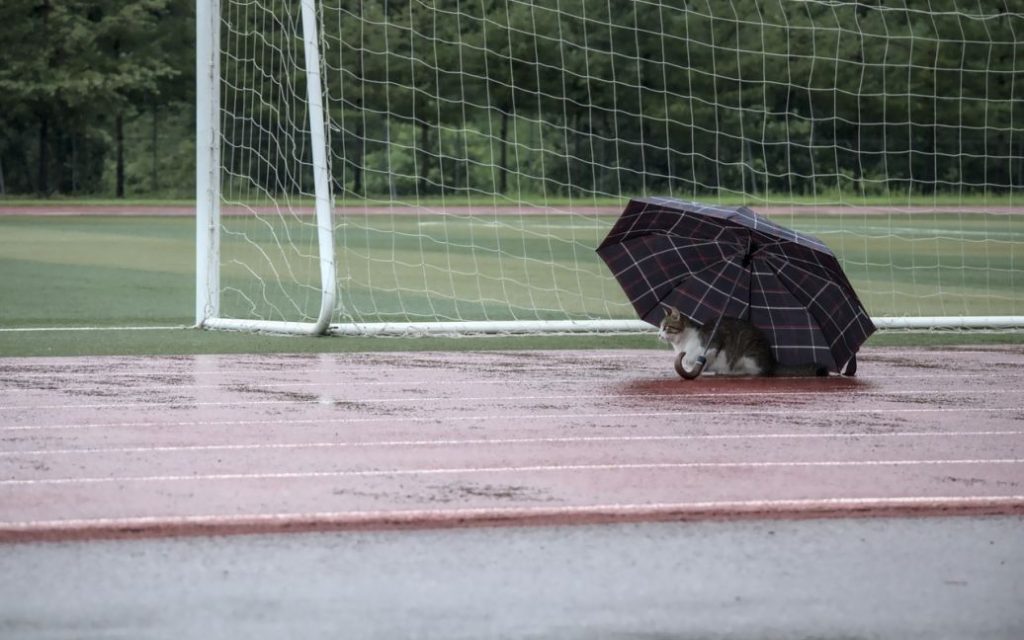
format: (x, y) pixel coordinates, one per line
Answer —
(709, 262)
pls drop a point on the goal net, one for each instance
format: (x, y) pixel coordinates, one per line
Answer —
(391, 166)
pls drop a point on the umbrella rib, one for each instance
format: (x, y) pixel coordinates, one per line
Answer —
(707, 243)
(803, 266)
(812, 299)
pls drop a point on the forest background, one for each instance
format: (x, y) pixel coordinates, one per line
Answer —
(97, 98)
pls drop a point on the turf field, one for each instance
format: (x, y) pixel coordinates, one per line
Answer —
(96, 271)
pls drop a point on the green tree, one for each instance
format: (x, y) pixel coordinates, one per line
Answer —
(131, 56)
(71, 73)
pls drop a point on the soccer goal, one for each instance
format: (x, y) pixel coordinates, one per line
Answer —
(415, 166)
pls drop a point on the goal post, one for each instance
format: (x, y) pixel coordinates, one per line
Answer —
(369, 167)
(207, 161)
(209, 169)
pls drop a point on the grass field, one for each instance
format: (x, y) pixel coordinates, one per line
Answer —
(108, 272)
(931, 265)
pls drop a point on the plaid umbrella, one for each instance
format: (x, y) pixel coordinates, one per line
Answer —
(710, 262)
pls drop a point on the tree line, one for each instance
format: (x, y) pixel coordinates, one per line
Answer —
(522, 97)
(96, 97)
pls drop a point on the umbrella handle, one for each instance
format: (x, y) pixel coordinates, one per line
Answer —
(689, 374)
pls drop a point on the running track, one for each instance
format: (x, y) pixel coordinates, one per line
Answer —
(191, 445)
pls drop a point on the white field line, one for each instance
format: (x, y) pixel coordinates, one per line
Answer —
(557, 468)
(937, 233)
(412, 516)
(506, 418)
(327, 401)
(509, 441)
(511, 211)
(59, 329)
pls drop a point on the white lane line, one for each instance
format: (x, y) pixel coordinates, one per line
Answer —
(643, 362)
(526, 417)
(239, 377)
(510, 441)
(372, 473)
(329, 401)
(424, 362)
(248, 384)
(413, 516)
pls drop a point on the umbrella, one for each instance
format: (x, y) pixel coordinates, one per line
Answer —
(709, 262)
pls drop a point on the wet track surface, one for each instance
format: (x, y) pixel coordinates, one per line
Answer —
(226, 444)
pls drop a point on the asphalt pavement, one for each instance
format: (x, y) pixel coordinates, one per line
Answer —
(928, 578)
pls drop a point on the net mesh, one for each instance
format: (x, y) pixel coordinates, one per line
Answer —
(480, 150)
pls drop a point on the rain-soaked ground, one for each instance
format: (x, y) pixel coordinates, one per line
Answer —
(385, 494)
(116, 446)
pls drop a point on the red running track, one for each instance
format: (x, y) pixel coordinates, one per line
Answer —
(117, 446)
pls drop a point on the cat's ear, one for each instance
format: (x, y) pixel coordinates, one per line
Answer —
(672, 311)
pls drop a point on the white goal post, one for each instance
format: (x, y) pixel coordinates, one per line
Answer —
(208, 192)
(369, 167)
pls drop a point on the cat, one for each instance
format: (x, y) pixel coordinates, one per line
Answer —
(737, 348)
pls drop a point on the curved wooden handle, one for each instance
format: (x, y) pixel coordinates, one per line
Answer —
(688, 374)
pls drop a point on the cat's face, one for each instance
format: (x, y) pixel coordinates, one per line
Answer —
(673, 325)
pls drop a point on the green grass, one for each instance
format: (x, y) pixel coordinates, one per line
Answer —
(186, 341)
(86, 271)
(68, 272)
(543, 267)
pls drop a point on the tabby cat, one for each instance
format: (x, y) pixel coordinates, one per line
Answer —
(737, 348)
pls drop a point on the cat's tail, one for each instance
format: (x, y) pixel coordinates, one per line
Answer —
(800, 370)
